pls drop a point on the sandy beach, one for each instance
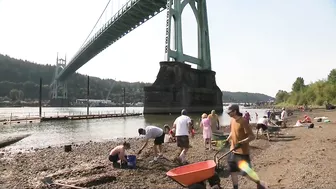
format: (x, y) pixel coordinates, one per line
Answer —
(298, 158)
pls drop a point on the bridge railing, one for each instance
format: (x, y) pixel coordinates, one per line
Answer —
(115, 17)
(107, 25)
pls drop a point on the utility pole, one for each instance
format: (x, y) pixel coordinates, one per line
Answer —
(124, 102)
(88, 96)
(40, 98)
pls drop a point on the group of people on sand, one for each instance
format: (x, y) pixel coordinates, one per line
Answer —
(240, 136)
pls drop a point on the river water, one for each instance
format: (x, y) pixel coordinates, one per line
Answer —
(56, 133)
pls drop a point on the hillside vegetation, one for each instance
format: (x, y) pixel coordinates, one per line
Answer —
(19, 80)
(316, 93)
(245, 97)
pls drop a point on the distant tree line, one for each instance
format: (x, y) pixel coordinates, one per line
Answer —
(19, 80)
(245, 97)
(316, 93)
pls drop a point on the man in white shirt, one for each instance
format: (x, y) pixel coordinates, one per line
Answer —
(183, 127)
(262, 124)
(156, 133)
(284, 117)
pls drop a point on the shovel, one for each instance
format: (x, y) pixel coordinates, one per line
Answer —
(48, 181)
(217, 159)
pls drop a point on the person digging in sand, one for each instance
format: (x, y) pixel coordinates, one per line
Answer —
(118, 155)
(240, 136)
(156, 133)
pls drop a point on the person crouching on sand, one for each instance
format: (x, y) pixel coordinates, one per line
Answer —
(118, 154)
(207, 132)
(156, 133)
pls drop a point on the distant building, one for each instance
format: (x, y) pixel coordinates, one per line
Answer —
(93, 101)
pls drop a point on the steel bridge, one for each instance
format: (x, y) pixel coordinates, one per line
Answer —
(131, 15)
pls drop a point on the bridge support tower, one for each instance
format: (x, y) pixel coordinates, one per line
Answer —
(59, 90)
(178, 86)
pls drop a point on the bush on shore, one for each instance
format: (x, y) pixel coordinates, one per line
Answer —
(316, 94)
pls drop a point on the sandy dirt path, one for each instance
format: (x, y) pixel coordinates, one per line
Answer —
(306, 161)
(299, 158)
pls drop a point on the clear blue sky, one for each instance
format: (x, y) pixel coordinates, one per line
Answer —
(256, 45)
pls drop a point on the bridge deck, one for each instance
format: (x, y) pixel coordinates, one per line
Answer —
(132, 15)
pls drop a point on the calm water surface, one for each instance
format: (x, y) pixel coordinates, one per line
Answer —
(78, 131)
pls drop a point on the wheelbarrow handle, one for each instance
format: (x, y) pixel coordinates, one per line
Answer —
(227, 153)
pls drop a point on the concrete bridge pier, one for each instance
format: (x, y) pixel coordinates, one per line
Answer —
(178, 86)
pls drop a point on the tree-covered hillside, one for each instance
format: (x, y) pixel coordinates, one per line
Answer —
(243, 97)
(19, 80)
(24, 76)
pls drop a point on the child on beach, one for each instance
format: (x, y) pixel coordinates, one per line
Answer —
(207, 131)
(192, 129)
(170, 132)
(118, 153)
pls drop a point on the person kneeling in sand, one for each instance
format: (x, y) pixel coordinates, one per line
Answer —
(306, 119)
(155, 133)
(118, 154)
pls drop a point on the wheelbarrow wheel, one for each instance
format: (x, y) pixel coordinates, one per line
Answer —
(199, 185)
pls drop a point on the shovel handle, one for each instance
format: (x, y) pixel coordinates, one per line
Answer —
(227, 153)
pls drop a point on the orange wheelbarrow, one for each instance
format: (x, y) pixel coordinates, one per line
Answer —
(194, 175)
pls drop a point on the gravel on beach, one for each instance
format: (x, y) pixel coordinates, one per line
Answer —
(298, 158)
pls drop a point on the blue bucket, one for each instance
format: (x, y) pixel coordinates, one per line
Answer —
(131, 161)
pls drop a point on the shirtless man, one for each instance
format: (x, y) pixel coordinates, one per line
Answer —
(241, 134)
(118, 153)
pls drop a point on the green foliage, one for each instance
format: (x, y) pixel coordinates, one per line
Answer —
(298, 85)
(244, 97)
(19, 75)
(15, 94)
(281, 96)
(332, 76)
(317, 93)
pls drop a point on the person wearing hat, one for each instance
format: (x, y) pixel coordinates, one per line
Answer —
(284, 117)
(156, 133)
(183, 125)
(240, 136)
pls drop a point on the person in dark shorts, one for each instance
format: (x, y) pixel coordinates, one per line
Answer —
(262, 124)
(118, 153)
(156, 133)
(183, 125)
(240, 136)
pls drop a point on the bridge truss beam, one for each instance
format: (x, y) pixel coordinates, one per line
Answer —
(174, 51)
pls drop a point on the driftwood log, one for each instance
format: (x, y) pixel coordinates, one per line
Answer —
(12, 140)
